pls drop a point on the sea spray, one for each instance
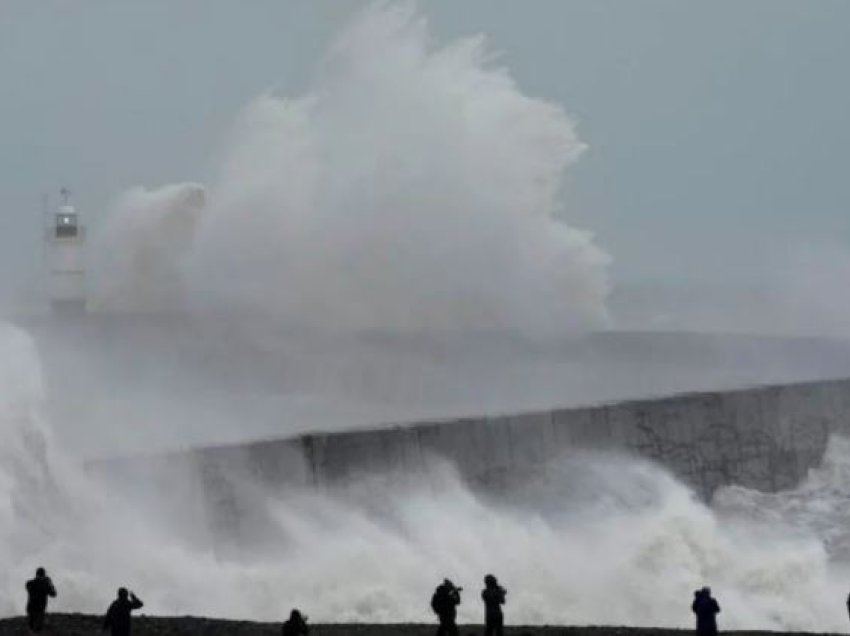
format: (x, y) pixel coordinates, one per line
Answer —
(412, 188)
(597, 538)
(136, 256)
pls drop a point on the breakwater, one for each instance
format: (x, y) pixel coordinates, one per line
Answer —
(765, 438)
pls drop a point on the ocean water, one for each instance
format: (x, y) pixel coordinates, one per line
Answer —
(412, 188)
(599, 539)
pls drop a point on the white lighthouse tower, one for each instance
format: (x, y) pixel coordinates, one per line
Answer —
(65, 259)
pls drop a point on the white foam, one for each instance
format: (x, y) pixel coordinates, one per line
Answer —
(412, 187)
(601, 539)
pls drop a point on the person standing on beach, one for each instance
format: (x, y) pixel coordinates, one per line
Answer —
(706, 609)
(444, 602)
(117, 619)
(296, 625)
(493, 596)
(38, 589)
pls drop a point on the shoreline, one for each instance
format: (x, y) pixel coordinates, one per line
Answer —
(144, 625)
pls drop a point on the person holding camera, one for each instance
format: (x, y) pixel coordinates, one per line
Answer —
(444, 602)
(493, 596)
(117, 619)
(706, 608)
(38, 590)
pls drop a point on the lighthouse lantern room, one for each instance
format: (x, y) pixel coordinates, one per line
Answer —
(65, 237)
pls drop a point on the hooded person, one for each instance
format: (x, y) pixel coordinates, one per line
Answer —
(706, 609)
(493, 596)
(296, 625)
(444, 602)
(118, 616)
(38, 591)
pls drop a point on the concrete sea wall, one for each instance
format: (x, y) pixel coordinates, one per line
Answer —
(765, 438)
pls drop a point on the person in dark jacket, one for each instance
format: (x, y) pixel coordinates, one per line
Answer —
(444, 602)
(296, 625)
(38, 590)
(706, 609)
(117, 618)
(493, 596)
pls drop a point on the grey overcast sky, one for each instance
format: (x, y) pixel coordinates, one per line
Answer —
(718, 130)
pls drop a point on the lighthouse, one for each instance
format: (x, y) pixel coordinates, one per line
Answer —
(65, 258)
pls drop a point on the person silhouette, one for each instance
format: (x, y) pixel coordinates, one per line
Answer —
(38, 590)
(296, 625)
(493, 596)
(444, 602)
(706, 609)
(117, 619)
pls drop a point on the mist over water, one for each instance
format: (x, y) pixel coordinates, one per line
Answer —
(599, 539)
(413, 188)
(136, 258)
(597, 529)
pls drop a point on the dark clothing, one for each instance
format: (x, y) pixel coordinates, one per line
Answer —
(494, 598)
(35, 620)
(295, 626)
(117, 618)
(448, 626)
(706, 610)
(38, 590)
(444, 603)
(494, 625)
